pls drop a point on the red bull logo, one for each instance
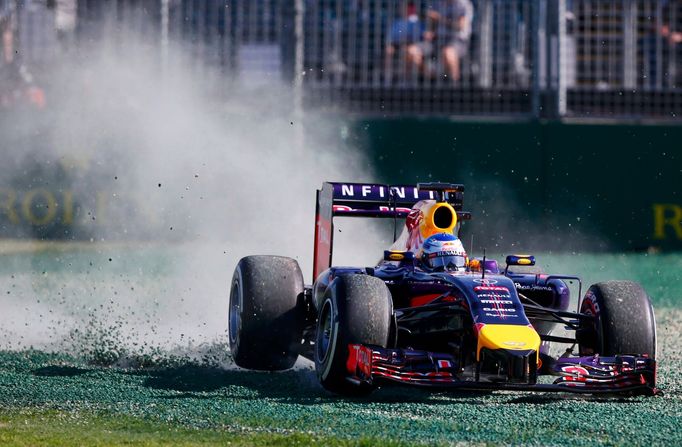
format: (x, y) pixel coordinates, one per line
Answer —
(426, 218)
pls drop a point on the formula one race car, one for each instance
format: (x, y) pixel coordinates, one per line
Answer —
(428, 315)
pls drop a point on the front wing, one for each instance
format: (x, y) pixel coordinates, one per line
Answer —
(626, 374)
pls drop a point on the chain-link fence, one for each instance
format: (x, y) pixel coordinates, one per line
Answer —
(502, 58)
(627, 56)
(451, 57)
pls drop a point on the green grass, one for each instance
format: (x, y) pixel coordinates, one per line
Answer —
(68, 398)
(660, 274)
(57, 399)
(28, 428)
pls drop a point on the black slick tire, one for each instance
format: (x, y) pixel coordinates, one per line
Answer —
(624, 320)
(266, 314)
(357, 309)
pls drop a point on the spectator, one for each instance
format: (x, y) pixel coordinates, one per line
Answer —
(65, 21)
(662, 49)
(674, 37)
(671, 32)
(450, 28)
(404, 40)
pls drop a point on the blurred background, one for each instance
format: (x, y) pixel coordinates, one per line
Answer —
(561, 116)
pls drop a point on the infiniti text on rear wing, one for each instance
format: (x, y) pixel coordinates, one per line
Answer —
(371, 200)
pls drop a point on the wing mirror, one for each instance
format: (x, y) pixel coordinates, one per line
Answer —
(525, 260)
(401, 256)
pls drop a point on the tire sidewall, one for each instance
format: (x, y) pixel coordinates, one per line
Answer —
(270, 315)
(346, 305)
(620, 323)
(590, 306)
(324, 366)
(236, 292)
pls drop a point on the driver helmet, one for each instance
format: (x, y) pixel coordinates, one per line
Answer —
(444, 252)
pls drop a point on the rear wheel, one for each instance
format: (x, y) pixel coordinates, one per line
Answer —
(624, 320)
(266, 315)
(357, 309)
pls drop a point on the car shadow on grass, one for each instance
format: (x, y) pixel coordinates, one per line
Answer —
(297, 386)
(539, 399)
(59, 371)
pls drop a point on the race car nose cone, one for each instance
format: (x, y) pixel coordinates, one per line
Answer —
(508, 337)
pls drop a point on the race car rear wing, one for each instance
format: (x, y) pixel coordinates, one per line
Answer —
(372, 200)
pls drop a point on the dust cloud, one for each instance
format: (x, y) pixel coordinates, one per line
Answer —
(172, 187)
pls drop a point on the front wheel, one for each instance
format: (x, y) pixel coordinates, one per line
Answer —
(266, 314)
(624, 321)
(357, 309)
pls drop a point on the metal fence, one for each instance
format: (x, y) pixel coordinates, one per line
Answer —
(628, 58)
(422, 57)
(502, 58)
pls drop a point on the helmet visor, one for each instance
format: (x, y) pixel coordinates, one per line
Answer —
(446, 261)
